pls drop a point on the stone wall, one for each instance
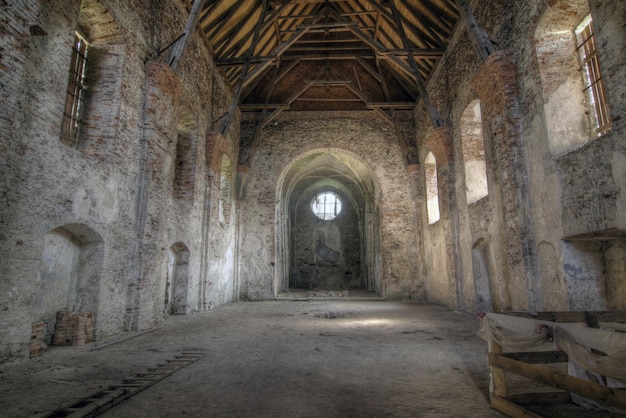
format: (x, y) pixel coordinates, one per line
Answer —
(368, 140)
(555, 202)
(93, 227)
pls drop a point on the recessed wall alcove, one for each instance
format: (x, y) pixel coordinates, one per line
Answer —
(335, 254)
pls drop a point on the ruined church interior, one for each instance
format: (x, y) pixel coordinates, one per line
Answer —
(304, 205)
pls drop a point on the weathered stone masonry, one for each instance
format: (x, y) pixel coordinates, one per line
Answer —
(154, 212)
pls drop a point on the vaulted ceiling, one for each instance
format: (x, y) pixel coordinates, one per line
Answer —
(326, 55)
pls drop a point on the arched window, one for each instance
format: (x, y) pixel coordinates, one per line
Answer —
(592, 77)
(432, 190)
(94, 90)
(75, 97)
(575, 106)
(326, 205)
(473, 153)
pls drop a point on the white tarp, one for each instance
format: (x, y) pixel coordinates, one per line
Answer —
(599, 351)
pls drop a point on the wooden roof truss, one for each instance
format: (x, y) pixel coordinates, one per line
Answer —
(325, 55)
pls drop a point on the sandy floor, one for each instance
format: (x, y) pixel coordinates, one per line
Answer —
(341, 358)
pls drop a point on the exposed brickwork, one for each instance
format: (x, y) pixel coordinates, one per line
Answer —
(439, 142)
(496, 84)
(73, 328)
(216, 146)
(37, 344)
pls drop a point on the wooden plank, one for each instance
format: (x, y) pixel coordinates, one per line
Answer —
(540, 398)
(498, 375)
(511, 409)
(610, 396)
(539, 357)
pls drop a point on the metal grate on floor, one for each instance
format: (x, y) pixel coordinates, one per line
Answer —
(106, 399)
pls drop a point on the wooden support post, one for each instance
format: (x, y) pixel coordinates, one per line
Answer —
(479, 38)
(498, 377)
(173, 58)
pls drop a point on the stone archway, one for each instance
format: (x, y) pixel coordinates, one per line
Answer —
(338, 254)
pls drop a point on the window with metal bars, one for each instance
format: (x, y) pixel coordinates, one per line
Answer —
(594, 86)
(75, 98)
(326, 205)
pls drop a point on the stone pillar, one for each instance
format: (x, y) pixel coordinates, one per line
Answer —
(496, 84)
(418, 292)
(439, 142)
(158, 131)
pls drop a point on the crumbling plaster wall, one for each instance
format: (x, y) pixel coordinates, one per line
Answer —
(579, 193)
(370, 140)
(117, 184)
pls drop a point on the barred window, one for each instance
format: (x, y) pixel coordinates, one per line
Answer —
(326, 205)
(74, 100)
(594, 86)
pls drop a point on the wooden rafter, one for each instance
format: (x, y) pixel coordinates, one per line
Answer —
(388, 49)
(421, 84)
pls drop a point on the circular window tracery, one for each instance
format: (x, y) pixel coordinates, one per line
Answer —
(326, 205)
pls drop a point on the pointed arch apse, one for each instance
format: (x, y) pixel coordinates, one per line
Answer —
(328, 224)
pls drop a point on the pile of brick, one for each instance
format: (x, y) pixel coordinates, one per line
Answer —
(37, 344)
(73, 328)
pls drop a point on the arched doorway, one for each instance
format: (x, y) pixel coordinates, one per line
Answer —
(328, 225)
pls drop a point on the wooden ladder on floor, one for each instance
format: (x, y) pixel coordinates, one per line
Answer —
(106, 399)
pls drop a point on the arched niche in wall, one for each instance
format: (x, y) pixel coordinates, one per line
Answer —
(69, 277)
(177, 281)
(335, 254)
(185, 159)
(226, 195)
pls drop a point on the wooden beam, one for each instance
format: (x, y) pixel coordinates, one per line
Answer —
(393, 105)
(247, 107)
(510, 409)
(539, 357)
(585, 388)
(178, 48)
(235, 100)
(479, 38)
(278, 51)
(435, 117)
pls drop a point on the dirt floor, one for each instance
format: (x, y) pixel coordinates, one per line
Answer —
(318, 358)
